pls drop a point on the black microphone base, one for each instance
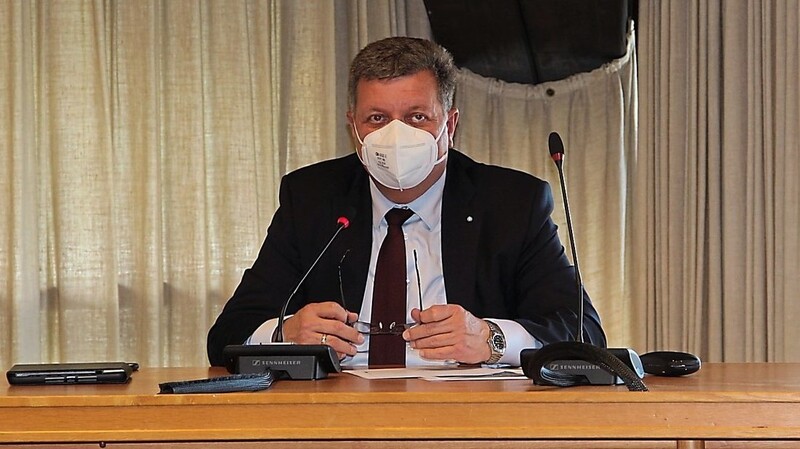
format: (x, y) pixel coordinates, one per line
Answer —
(569, 363)
(286, 361)
(594, 374)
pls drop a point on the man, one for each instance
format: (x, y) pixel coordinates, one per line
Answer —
(484, 270)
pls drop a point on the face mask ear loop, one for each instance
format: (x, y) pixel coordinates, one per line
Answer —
(441, 132)
(444, 156)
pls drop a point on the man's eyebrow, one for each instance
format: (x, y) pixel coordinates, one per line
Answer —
(371, 109)
(429, 110)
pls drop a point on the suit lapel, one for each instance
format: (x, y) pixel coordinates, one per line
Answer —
(356, 241)
(460, 230)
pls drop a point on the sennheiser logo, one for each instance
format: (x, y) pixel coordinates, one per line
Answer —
(259, 362)
(562, 366)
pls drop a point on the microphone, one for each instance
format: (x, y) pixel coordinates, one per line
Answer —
(342, 223)
(556, 147)
(288, 360)
(570, 363)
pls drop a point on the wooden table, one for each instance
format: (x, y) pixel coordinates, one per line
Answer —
(757, 404)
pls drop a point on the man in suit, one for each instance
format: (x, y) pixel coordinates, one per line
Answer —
(485, 272)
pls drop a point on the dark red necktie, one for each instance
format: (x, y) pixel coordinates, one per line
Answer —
(389, 294)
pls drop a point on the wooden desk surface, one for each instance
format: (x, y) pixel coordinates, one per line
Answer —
(721, 401)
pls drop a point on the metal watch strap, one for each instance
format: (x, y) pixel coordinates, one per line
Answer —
(495, 334)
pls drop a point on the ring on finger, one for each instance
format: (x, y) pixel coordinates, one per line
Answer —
(324, 339)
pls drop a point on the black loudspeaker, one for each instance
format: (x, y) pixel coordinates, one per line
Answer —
(531, 41)
(670, 363)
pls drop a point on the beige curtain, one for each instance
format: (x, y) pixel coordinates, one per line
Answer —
(719, 124)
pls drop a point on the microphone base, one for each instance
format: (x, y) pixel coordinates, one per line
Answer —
(564, 361)
(593, 374)
(286, 361)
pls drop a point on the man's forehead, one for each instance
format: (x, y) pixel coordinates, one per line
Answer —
(418, 90)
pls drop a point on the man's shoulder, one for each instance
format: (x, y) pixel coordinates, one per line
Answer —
(503, 192)
(482, 173)
(340, 168)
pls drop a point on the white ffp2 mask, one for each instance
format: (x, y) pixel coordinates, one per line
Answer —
(400, 156)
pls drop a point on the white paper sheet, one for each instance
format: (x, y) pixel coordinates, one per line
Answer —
(440, 373)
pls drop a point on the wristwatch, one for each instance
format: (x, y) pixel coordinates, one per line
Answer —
(497, 343)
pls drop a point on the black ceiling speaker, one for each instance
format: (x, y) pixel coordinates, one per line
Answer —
(531, 41)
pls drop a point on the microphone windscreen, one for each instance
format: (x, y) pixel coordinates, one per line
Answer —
(555, 144)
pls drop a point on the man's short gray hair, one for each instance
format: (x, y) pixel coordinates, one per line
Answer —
(394, 57)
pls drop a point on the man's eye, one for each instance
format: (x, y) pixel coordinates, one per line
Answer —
(376, 118)
(418, 118)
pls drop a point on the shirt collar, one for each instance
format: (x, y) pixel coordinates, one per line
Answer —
(427, 207)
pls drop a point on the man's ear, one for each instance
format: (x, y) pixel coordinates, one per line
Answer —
(352, 125)
(452, 122)
(352, 128)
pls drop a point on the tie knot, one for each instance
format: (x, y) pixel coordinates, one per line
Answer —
(397, 216)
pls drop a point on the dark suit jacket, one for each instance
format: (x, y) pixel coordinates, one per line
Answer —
(506, 262)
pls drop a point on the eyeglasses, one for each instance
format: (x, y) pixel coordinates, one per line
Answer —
(392, 328)
(379, 329)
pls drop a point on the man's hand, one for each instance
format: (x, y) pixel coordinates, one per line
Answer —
(449, 332)
(324, 323)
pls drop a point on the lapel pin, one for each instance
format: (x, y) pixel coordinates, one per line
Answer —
(469, 218)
